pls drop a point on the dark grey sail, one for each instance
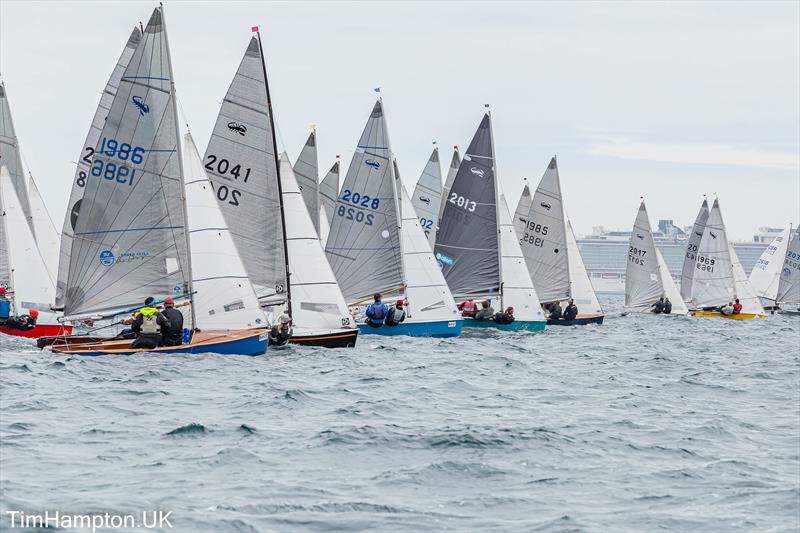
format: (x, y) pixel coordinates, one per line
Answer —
(329, 192)
(307, 174)
(363, 247)
(242, 166)
(467, 241)
(130, 239)
(10, 156)
(85, 159)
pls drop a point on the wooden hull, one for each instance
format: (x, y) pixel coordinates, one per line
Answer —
(40, 330)
(246, 342)
(717, 314)
(331, 339)
(580, 320)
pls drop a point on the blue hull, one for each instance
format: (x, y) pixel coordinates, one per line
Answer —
(445, 328)
(580, 321)
(252, 345)
(517, 325)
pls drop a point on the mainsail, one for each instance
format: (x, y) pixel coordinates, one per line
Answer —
(130, 238)
(242, 164)
(712, 284)
(85, 162)
(643, 284)
(690, 258)
(427, 197)
(328, 195)
(766, 273)
(541, 229)
(789, 284)
(11, 158)
(467, 245)
(307, 174)
(363, 247)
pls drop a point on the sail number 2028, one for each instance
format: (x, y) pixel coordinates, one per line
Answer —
(358, 200)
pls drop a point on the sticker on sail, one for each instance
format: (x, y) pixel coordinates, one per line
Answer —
(106, 258)
(546, 205)
(425, 199)
(241, 129)
(138, 101)
(712, 234)
(372, 163)
(444, 259)
(639, 236)
(477, 171)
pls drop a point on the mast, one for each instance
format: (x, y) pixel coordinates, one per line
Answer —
(396, 198)
(278, 171)
(190, 288)
(496, 207)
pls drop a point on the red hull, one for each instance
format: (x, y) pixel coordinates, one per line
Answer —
(41, 330)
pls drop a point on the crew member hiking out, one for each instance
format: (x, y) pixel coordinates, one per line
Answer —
(571, 312)
(5, 306)
(376, 312)
(172, 333)
(23, 322)
(280, 332)
(486, 312)
(149, 321)
(396, 314)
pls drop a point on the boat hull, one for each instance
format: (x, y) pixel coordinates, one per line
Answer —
(40, 330)
(790, 312)
(517, 325)
(250, 342)
(330, 339)
(580, 320)
(717, 314)
(444, 328)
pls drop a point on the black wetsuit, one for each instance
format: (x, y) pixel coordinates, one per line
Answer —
(571, 312)
(658, 307)
(667, 307)
(555, 312)
(278, 337)
(172, 334)
(502, 318)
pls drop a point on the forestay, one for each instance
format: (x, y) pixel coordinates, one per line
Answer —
(427, 197)
(363, 247)
(713, 284)
(581, 289)
(130, 239)
(743, 290)
(467, 241)
(643, 285)
(541, 229)
(47, 237)
(307, 174)
(766, 273)
(242, 166)
(31, 284)
(789, 285)
(328, 195)
(10, 156)
(690, 257)
(85, 161)
(223, 297)
(317, 302)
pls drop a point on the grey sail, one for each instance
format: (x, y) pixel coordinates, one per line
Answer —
(789, 282)
(690, 257)
(242, 166)
(5, 264)
(329, 192)
(10, 156)
(363, 246)
(467, 241)
(85, 162)
(130, 239)
(540, 226)
(427, 199)
(307, 174)
(452, 170)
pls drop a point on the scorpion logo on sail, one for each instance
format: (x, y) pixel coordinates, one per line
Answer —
(712, 234)
(477, 171)
(546, 205)
(425, 199)
(241, 129)
(642, 238)
(372, 163)
(138, 101)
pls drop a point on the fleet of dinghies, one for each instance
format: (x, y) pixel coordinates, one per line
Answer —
(242, 236)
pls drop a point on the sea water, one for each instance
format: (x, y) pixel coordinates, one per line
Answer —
(646, 423)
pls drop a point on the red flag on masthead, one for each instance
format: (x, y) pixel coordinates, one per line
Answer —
(254, 29)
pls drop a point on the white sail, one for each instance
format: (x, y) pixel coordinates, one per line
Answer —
(670, 289)
(328, 196)
(47, 237)
(581, 289)
(455, 162)
(743, 291)
(31, 284)
(429, 298)
(690, 257)
(317, 301)
(712, 283)
(307, 176)
(643, 281)
(766, 273)
(789, 285)
(427, 197)
(223, 295)
(10, 155)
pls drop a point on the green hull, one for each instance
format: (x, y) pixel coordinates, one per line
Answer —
(517, 325)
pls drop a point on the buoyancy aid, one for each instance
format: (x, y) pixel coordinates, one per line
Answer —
(150, 325)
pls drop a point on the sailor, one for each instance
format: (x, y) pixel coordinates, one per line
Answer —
(376, 312)
(571, 311)
(658, 307)
(23, 322)
(172, 334)
(149, 321)
(486, 312)
(281, 332)
(506, 317)
(737, 307)
(727, 309)
(396, 314)
(667, 306)
(468, 308)
(554, 310)
(5, 306)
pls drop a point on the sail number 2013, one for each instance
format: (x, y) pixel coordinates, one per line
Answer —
(462, 202)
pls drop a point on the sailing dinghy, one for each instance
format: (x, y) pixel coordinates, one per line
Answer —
(551, 251)
(376, 244)
(788, 295)
(766, 273)
(718, 277)
(476, 246)
(427, 197)
(647, 278)
(242, 161)
(145, 204)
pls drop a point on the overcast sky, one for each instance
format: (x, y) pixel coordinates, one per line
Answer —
(665, 100)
